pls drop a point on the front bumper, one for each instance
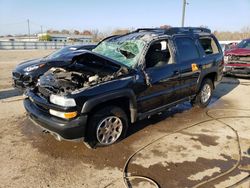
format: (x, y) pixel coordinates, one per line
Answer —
(67, 129)
(236, 70)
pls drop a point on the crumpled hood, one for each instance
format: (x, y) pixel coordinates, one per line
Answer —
(238, 52)
(65, 60)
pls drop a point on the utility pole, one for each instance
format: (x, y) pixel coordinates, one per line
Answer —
(183, 12)
(41, 29)
(28, 28)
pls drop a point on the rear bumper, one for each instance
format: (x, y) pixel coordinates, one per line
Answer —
(67, 129)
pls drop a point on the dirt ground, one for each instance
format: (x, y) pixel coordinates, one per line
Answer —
(183, 147)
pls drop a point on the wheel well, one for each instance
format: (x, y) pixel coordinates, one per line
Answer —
(212, 76)
(122, 102)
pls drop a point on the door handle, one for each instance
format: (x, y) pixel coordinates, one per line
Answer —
(176, 72)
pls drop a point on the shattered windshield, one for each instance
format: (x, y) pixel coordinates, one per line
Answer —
(124, 49)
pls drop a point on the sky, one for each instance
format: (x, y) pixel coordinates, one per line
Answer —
(106, 15)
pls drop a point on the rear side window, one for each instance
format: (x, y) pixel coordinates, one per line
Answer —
(187, 49)
(209, 46)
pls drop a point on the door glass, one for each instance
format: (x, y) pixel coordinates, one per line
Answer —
(158, 54)
(186, 49)
(208, 45)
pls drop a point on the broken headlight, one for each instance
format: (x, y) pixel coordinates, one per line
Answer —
(62, 101)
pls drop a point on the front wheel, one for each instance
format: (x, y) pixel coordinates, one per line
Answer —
(204, 96)
(107, 126)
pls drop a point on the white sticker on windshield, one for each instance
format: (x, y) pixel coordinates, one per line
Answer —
(163, 45)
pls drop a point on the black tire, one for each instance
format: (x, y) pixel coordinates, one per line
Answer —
(198, 100)
(101, 116)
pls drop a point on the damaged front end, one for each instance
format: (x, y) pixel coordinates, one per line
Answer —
(237, 65)
(237, 60)
(86, 71)
(57, 100)
(61, 81)
(63, 97)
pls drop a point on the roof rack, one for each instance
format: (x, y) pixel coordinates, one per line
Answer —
(176, 30)
(148, 29)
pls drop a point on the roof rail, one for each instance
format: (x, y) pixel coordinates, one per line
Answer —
(148, 29)
(177, 30)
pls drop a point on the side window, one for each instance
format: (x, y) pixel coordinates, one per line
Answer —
(209, 46)
(158, 54)
(187, 49)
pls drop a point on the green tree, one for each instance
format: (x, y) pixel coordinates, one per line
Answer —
(45, 38)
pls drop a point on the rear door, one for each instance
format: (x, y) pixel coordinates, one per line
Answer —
(189, 61)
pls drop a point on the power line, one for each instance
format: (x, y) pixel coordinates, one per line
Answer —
(17, 23)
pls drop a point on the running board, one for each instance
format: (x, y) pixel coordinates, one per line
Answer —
(162, 108)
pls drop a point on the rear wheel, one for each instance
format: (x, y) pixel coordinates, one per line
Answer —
(107, 126)
(204, 96)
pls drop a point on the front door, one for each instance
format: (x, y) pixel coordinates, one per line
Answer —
(162, 74)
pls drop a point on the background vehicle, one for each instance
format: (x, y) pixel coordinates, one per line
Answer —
(237, 60)
(124, 79)
(26, 73)
(224, 47)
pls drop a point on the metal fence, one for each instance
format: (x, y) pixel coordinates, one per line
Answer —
(21, 45)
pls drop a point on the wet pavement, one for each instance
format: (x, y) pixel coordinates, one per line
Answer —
(199, 154)
(183, 147)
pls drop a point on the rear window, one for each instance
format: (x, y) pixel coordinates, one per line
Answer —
(209, 46)
(187, 49)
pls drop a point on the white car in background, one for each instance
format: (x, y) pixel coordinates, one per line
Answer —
(227, 45)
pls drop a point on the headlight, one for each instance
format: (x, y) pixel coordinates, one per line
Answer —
(225, 59)
(62, 101)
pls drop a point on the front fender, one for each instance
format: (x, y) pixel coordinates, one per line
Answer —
(93, 102)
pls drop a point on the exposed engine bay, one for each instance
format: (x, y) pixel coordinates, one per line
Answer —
(62, 81)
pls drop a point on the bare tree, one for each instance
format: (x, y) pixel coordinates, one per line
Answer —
(120, 31)
(237, 35)
(64, 31)
(165, 26)
(86, 32)
(95, 33)
(76, 32)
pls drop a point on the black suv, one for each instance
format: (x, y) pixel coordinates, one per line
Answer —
(124, 79)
